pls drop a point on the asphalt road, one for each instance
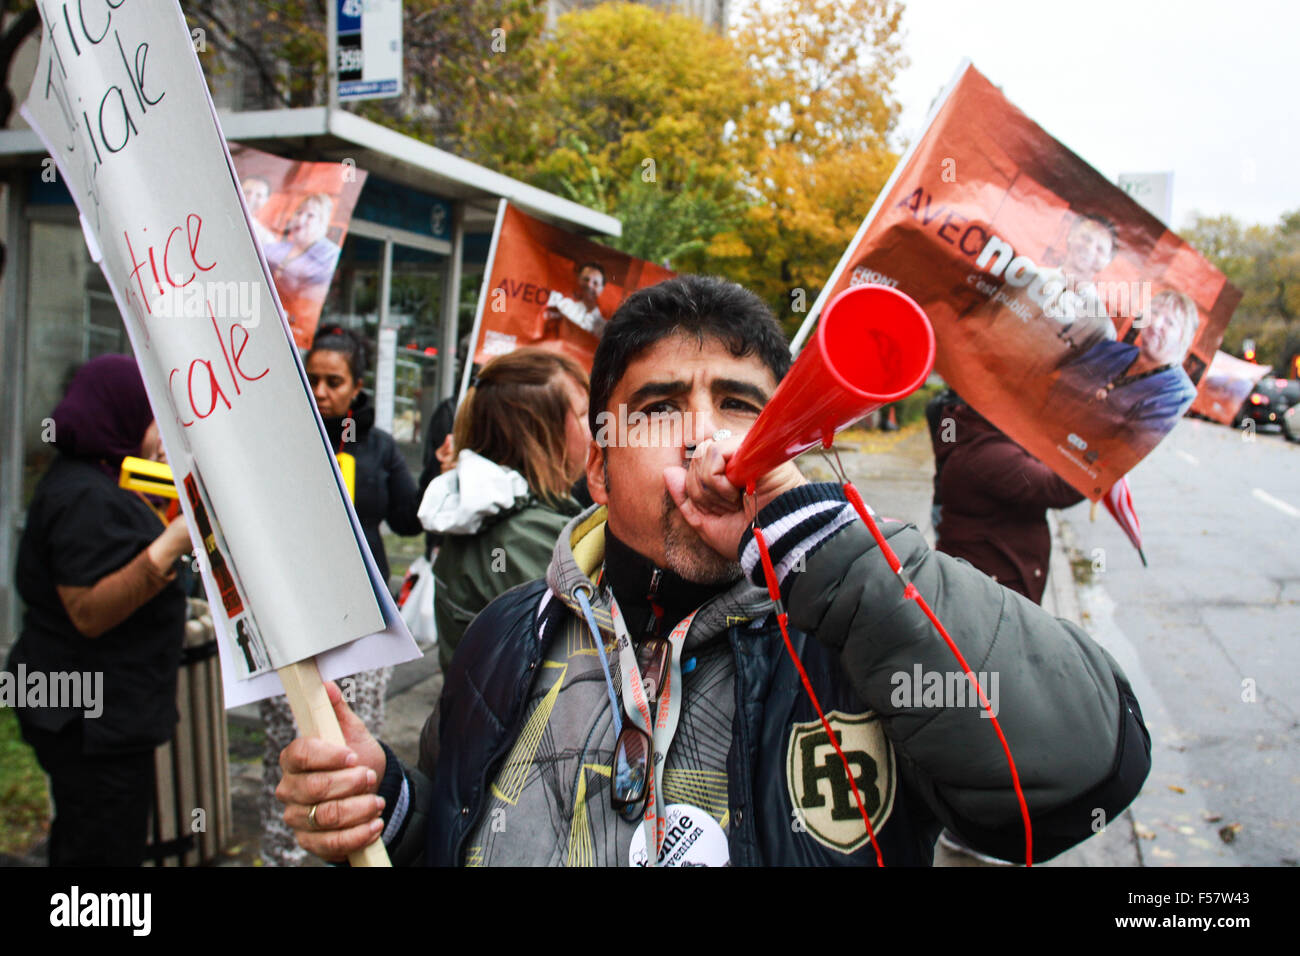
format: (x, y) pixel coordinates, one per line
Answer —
(1210, 635)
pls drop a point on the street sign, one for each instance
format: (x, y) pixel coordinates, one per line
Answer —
(1154, 192)
(369, 43)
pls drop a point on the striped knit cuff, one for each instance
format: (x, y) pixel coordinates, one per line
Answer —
(396, 791)
(795, 525)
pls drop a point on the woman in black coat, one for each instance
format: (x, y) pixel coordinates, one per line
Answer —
(105, 614)
(385, 491)
(992, 499)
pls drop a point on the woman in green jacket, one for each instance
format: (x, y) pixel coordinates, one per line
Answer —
(521, 440)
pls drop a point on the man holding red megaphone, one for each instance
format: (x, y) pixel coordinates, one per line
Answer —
(641, 706)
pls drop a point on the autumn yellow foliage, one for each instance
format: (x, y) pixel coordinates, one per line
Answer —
(754, 154)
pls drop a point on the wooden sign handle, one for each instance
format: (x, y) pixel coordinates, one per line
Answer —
(315, 716)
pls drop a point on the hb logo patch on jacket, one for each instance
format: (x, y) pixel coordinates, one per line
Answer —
(820, 794)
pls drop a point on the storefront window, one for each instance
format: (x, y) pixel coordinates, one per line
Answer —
(71, 318)
(414, 311)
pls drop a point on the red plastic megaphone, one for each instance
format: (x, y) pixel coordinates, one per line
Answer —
(873, 345)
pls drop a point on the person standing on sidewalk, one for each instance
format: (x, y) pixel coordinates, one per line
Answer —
(97, 571)
(991, 498)
(537, 755)
(385, 491)
(521, 440)
(990, 508)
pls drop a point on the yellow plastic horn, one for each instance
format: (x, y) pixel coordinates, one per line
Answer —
(150, 477)
(348, 466)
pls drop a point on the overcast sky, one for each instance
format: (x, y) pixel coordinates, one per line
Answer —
(1208, 90)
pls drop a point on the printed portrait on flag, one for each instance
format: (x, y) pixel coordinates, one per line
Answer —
(552, 289)
(1063, 311)
(1227, 384)
(299, 213)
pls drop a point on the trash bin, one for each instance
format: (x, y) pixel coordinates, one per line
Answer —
(191, 818)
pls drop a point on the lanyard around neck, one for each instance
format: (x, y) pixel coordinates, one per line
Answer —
(660, 726)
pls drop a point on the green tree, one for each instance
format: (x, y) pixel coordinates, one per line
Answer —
(463, 63)
(1264, 263)
(459, 61)
(633, 113)
(668, 226)
(823, 71)
(279, 42)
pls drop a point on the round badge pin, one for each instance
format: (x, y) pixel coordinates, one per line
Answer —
(691, 838)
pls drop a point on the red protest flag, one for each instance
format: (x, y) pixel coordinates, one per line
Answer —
(1063, 311)
(1119, 502)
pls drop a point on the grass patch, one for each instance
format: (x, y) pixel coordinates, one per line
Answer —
(872, 441)
(24, 801)
(402, 550)
(912, 408)
(1081, 565)
(246, 743)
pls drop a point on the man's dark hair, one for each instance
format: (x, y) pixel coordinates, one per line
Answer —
(702, 306)
(592, 265)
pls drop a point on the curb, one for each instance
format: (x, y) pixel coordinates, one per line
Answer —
(1117, 844)
(1061, 598)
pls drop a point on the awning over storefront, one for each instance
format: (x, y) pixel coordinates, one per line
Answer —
(319, 134)
(423, 215)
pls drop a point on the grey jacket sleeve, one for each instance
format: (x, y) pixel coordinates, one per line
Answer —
(1070, 719)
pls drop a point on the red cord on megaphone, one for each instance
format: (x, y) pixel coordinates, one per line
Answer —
(873, 345)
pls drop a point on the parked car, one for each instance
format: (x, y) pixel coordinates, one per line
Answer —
(1291, 423)
(1269, 401)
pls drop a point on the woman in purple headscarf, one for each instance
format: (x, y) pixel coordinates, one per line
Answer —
(101, 638)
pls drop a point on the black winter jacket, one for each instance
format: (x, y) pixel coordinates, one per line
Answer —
(385, 490)
(1069, 715)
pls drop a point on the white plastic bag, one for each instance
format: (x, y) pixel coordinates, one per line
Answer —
(415, 601)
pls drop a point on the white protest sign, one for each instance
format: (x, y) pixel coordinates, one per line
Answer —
(121, 103)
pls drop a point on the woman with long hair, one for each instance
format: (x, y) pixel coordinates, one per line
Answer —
(521, 439)
(385, 491)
